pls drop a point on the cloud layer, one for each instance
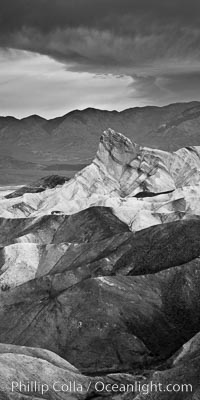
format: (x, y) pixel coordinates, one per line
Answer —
(154, 42)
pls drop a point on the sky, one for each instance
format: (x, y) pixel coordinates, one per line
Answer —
(60, 55)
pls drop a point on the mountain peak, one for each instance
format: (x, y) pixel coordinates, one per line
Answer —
(33, 117)
(116, 146)
(113, 138)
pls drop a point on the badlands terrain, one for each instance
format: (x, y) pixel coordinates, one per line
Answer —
(100, 275)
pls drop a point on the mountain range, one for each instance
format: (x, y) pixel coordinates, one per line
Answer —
(34, 147)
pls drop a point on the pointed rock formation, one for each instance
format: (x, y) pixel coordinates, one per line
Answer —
(122, 176)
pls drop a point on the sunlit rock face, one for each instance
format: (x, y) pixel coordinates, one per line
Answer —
(134, 168)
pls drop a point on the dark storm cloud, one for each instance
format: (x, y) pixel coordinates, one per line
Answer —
(47, 15)
(153, 41)
(60, 27)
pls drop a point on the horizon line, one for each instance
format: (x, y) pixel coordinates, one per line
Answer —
(98, 109)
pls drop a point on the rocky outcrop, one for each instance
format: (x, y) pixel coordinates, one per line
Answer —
(49, 182)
